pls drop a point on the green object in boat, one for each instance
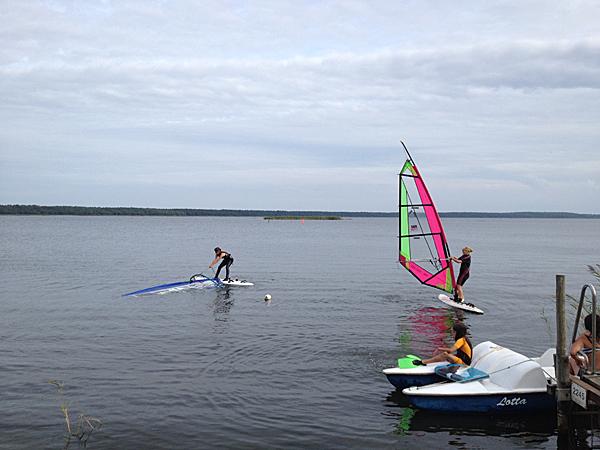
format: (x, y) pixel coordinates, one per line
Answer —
(407, 363)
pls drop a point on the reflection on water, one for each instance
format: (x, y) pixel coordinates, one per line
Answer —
(222, 305)
(583, 432)
(405, 419)
(425, 329)
(526, 429)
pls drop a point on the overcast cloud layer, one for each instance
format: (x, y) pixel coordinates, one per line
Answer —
(300, 105)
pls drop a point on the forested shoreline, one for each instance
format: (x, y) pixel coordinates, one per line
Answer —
(183, 212)
(37, 210)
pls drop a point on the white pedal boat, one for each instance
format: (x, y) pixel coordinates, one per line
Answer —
(515, 384)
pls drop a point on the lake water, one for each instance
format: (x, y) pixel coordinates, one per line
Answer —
(223, 368)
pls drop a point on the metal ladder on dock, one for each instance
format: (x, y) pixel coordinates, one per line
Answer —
(594, 331)
(585, 389)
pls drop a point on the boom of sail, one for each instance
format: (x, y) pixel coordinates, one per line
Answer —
(423, 247)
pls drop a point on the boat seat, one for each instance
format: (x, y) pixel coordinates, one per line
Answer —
(508, 368)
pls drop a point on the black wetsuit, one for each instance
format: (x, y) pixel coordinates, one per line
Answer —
(227, 261)
(463, 273)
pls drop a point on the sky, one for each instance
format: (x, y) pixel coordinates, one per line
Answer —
(287, 105)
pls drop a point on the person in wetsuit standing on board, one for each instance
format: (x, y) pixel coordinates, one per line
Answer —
(463, 273)
(227, 261)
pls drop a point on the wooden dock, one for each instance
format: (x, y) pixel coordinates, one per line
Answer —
(578, 398)
(585, 391)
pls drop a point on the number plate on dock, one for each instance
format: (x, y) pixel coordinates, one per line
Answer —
(579, 395)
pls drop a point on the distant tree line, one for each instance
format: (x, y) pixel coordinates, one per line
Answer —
(184, 212)
(521, 215)
(187, 212)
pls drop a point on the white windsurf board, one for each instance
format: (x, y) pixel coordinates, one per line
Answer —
(236, 282)
(464, 306)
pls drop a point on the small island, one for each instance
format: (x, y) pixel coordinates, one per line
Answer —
(303, 218)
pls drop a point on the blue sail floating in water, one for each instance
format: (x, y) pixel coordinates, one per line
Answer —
(164, 287)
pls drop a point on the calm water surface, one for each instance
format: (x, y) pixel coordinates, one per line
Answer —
(223, 368)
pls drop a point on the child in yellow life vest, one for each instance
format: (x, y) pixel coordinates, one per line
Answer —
(459, 353)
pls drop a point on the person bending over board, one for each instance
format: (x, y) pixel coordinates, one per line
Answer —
(227, 262)
(583, 344)
(459, 353)
(463, 273)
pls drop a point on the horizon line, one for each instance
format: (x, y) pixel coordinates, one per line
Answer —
(32, 209)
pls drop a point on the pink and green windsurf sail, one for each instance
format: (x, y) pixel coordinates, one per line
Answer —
(423, 247)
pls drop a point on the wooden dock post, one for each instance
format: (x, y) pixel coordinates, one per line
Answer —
(563, 391)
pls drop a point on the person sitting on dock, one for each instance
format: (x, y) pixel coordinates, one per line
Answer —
(584, 344)
(459, 353)
(463, 273)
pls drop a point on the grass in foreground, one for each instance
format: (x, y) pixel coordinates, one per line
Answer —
(85, 425)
